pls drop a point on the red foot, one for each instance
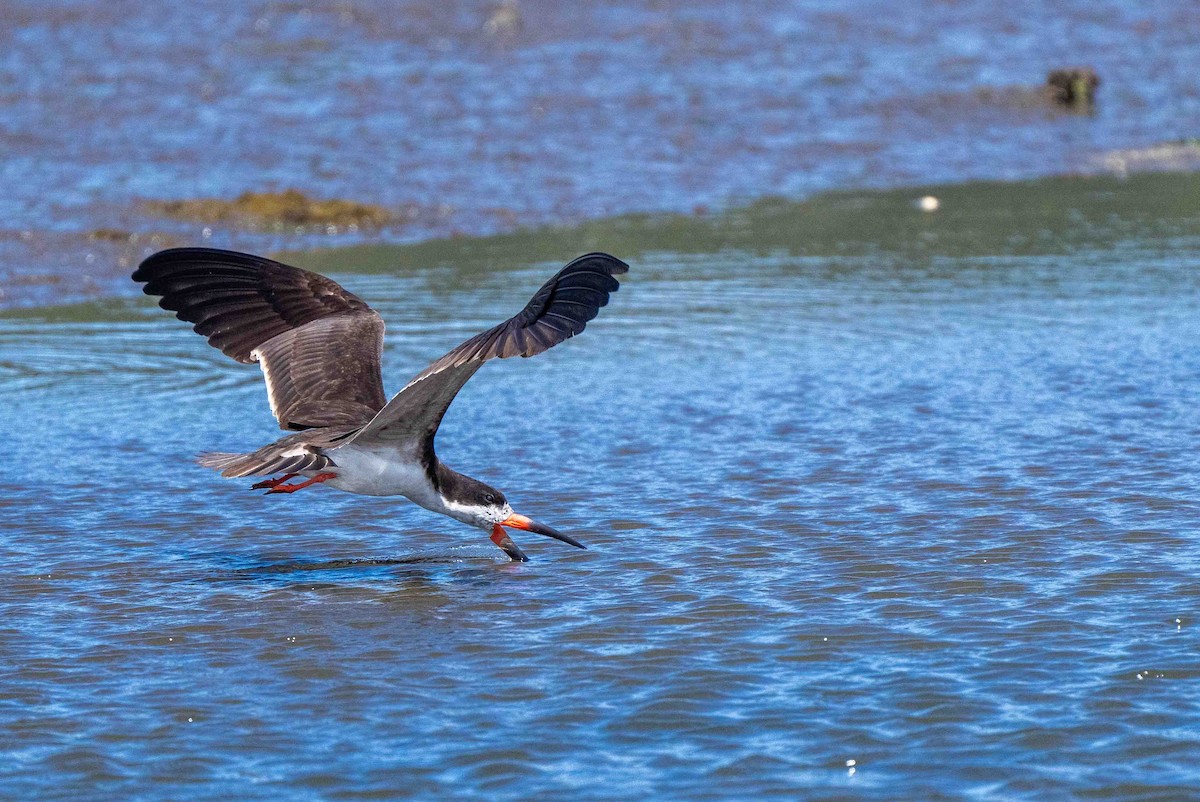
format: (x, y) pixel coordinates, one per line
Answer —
(273, 482)
(320, 477)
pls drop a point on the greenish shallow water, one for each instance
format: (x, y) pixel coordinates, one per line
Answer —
(859, 482)
(1046, 217)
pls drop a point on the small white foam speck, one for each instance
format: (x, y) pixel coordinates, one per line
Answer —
(851, 762)
(189, 719)
(206, 232)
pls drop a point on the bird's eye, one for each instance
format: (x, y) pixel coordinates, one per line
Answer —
(489, 498)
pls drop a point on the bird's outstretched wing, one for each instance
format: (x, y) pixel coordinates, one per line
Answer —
(319, 346)
(559, 310)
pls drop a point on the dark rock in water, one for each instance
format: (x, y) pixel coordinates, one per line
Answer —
(1073, 88)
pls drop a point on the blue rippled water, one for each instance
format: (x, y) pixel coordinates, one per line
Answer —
(938, 520)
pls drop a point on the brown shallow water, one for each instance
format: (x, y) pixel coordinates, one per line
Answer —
(584, 110)
(931, 509)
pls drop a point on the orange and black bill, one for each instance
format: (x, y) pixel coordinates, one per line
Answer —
(521, 522)
(506, 544)
(501, 539)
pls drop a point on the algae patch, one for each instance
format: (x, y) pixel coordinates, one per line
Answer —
(111, 235)
(288, 209)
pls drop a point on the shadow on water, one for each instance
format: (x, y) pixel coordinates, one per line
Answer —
(360, 565)
(353, 570)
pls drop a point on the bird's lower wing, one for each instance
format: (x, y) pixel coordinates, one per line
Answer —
(325, 373)
(558, 311)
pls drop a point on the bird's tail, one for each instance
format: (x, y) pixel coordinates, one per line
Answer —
(266, 461)
(230, 465)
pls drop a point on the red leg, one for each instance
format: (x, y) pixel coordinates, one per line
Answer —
(320, 477)
(273, 482)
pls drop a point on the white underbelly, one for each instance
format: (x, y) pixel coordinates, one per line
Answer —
(379, 473)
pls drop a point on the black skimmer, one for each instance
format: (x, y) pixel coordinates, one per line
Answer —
(320, 349)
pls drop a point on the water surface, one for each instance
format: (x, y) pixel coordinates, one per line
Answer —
(934, 512)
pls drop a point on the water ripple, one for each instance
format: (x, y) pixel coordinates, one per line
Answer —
(922, 525)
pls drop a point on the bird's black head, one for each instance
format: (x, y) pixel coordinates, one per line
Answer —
(488, 496)
(472, 502)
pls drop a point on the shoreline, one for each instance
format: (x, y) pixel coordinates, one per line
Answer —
(975, 218)
(156, 120)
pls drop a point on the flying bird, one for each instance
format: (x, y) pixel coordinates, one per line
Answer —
(320, 348)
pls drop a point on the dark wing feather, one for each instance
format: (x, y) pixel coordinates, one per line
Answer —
(558, 311)
(320, 347)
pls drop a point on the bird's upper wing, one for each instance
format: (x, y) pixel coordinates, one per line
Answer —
(319, 346)
(559, 310)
